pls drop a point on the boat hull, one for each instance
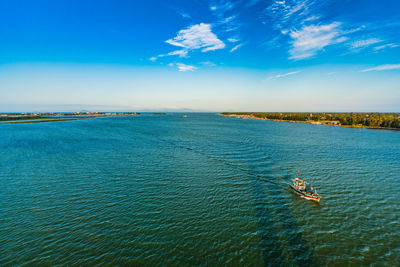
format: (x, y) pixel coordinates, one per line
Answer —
(305, 196)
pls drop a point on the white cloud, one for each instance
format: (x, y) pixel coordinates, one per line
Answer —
(364, 43)
(233, 40)
(197, 36)
(311, 39)
(383, 67)
(183, 67)
(235, 48)
(283, 75)
(180, 53)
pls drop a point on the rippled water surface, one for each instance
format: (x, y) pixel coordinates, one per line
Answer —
(201, 190)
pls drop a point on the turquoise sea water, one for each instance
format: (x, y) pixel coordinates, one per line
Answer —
(201, 190)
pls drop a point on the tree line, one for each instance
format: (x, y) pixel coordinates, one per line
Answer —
(384, 120)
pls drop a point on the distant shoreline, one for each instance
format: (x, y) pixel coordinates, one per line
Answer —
(37, 117)
(250, 115)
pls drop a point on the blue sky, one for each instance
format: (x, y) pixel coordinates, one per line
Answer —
(281, 55)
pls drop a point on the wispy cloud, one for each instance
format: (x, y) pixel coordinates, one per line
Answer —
(179, 10)
(283, 75)
(298, 8)
(381, 47)
(235, 48)
(185, 15)
(198, 36)
(311, 39)
(355, 30)
(287, 13)
(365, 43)
(222, 9)
(221, 6)
(310, 32)
(312, 18)
(230, 23)
(183, 67)
(383, 67)
(229, 19)
(307, 35)
(180, 53)
(233, 40)
(208, 63)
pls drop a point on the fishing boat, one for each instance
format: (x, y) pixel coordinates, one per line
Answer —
(304, 190)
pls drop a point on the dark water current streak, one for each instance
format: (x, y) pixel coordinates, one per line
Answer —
(258, 166)
(242, 159)
(202, 190)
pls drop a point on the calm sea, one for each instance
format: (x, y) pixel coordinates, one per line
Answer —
(202, 190)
